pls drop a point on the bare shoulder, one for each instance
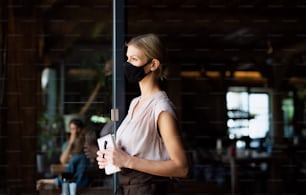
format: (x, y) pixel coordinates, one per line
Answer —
(167, 124)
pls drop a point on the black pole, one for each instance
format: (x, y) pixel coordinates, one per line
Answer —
(118, 109)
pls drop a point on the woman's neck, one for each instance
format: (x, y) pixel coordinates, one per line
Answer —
(147, 88)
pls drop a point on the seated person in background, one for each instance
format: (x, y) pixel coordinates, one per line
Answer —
(107, 128)
(75, 128)
(92, 133)
(91, 145)
(77, 166)
(96, 175)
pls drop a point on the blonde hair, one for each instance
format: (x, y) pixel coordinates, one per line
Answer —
(153, 48)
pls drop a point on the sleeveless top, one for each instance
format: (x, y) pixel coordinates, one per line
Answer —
(138, 133)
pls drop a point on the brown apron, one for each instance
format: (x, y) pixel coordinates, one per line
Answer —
(133, 182)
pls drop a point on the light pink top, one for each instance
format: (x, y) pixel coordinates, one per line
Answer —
(138, 134)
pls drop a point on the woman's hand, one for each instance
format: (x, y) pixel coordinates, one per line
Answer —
(73, 136)
(102, 162)
(115, 156)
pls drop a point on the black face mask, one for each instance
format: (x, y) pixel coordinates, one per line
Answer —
(135, 73)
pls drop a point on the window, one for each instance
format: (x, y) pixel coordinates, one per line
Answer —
(248, 113)
(288, 114)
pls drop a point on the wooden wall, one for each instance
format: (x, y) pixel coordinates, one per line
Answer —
(22, 100)
(3, 61)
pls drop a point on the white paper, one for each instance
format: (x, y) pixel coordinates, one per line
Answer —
(108, 141)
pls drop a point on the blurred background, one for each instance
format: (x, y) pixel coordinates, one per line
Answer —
(236, 74)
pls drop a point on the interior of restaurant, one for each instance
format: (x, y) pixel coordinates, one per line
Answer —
(236, 75)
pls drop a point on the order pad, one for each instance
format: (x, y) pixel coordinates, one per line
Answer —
(108, 141)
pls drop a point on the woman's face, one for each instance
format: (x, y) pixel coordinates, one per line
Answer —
(135, 56)
(74, 129)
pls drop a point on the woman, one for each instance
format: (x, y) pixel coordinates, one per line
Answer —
(76, 168)
(75, 128)
(149, 144)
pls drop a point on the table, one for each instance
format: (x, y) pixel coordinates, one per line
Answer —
(238, 161)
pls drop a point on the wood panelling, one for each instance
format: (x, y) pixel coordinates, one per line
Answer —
(23, 96)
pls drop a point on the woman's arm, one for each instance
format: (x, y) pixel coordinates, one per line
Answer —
(177, 166)
(65, 155)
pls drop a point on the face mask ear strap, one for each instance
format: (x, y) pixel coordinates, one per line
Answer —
(147, 63)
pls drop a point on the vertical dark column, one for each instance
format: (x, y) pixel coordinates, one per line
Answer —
(277, 123)
(23, 94)
(118, 59)
(3, 85)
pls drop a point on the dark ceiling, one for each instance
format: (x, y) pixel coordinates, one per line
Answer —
(211, 32)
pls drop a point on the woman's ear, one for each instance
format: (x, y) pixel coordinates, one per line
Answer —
(155, 64)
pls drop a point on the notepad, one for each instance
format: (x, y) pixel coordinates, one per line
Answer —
(108, 141)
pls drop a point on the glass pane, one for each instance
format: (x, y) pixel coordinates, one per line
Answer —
(259, 107)
(248, 114)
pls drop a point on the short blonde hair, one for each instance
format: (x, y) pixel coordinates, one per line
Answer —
(153, 48)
